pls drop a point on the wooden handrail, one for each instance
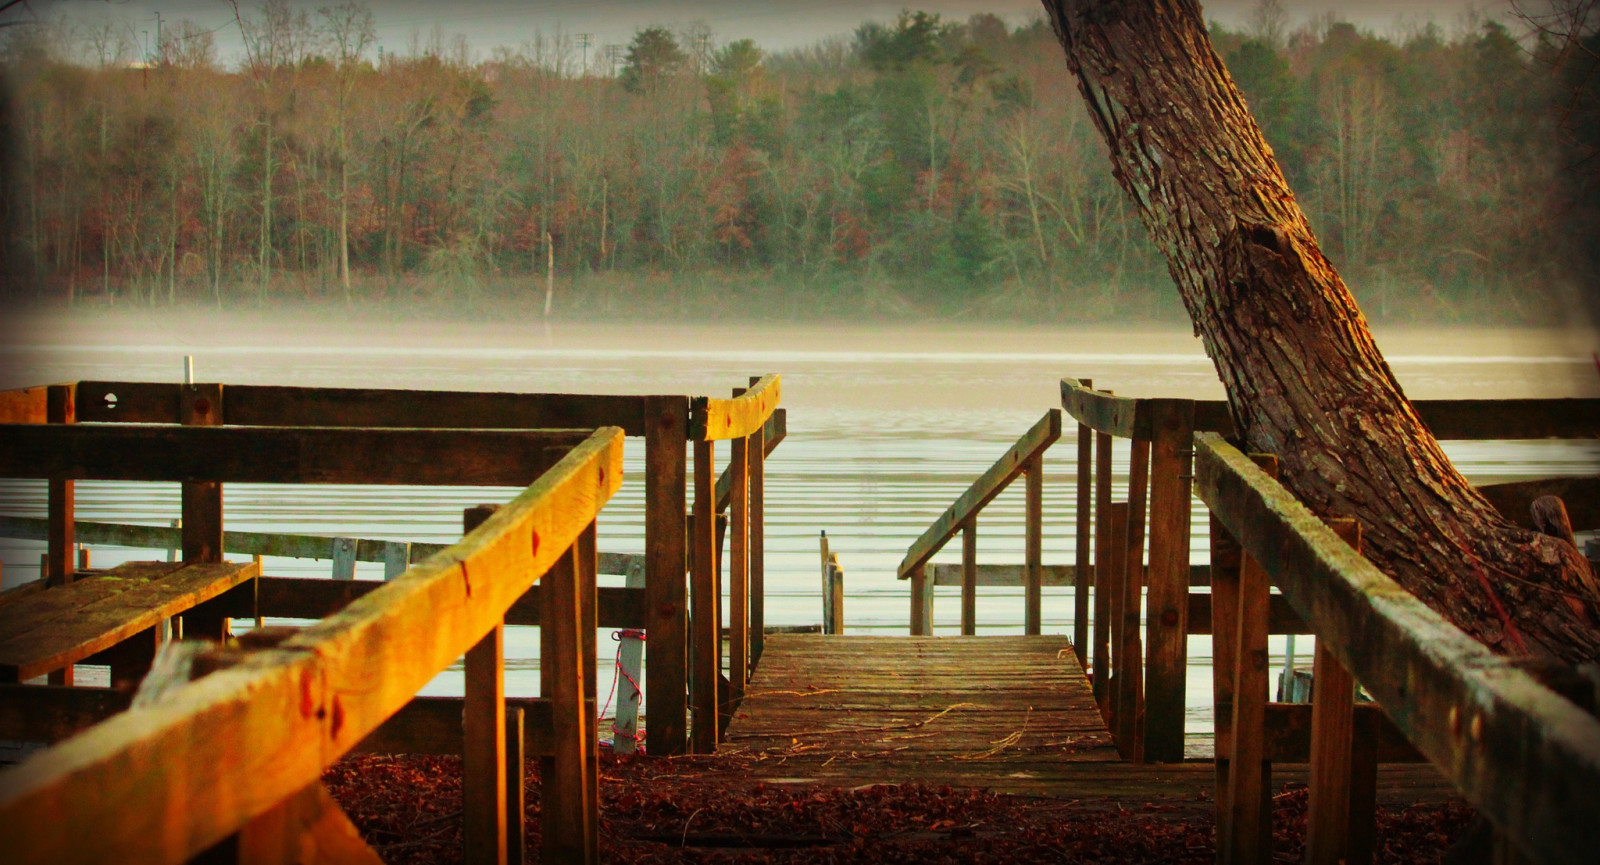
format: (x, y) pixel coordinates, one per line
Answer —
(774, 432)
(23, 405)
(297, 455)
(712, 419)
(227, 748)
(1447, 419)
(1526, 757)
(983, 490)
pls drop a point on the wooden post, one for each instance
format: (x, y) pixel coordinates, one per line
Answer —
(396, 559)
(666, 559)
(758, 542)
(827, 584)
(1225, 561)
(1083, 576)
(969, 577)
(483, 747)
(60, 507)
(1250, 781)
(1033, 478)
(707, 603)
(922, 602)
(60, 408)
(625, 724)
(739, 571)
(1119, 716)
(588, 568)
(568, 824)
(1101, 662)
(1328, 815)
(1167, 599)
(201, 405)
(130, 659)
(1131, 669)
(836, 592)
(516, 789)
(344, 558)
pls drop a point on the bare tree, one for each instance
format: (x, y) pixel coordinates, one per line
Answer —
(349, 31)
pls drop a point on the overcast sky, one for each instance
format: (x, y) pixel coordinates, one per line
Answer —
(774, 24)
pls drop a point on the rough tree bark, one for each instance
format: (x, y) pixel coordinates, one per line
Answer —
(1304, 378)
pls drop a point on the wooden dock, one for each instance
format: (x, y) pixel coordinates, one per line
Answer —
(1008, 714)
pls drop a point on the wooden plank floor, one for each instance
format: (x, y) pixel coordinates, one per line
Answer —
(1010, 714)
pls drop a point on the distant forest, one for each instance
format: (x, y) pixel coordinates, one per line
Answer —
(922, 167)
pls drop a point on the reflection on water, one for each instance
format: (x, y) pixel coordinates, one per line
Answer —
(887, 427)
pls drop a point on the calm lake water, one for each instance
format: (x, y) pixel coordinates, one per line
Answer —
(886, 428)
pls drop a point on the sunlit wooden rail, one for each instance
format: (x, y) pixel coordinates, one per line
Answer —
(674, 540)
(233, 760)
(1528, 758)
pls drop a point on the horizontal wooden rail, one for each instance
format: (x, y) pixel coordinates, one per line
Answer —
(1447, 419)
(288, 546)
(112, 792)
(291, 598)
(712, 419)
(1526, 757)
(1053, 576)
(271, 405)
(983, 490)
(285, 455)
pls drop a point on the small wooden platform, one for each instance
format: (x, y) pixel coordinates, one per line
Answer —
(1010, 714)
(50, 629)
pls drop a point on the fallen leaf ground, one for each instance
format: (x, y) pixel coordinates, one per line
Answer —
(705, 809)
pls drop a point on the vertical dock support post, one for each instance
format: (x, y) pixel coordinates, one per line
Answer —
(568, 816)
(1226, 557)
(1033, 544)
(969, 576)
(707, 603)
(922, 602)
(1333, 825)
(483, 723)
(1083, 574)
(758, 540)
(201, 405)
(739, 570)
(666, 529)
(1101, 663)
(1130, 667)
(1113, 585)
(1250, 778)
(60, 506)
(1166, 649)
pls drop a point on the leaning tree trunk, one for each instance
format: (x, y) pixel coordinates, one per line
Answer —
(1304, 378)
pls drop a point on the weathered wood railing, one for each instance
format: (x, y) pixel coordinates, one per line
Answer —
(743, 421)
(667, 422)
(1141, 682)
(232, 762)
(1024, 458)
(1526, 757)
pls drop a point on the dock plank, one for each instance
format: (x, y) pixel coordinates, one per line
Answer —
(1010, 714)
(63, 625)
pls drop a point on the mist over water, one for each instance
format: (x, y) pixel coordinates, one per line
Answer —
(886, 427)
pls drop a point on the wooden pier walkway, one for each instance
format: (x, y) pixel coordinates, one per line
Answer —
(1008, 714)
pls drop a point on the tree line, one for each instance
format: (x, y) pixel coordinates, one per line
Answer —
(921, 166)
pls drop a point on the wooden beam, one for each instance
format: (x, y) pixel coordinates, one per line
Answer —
(718, 419)
(773, 432)
(1119, 416)
(1100, 662)
(1281, 616)
(287, 455)
(1226, 559)
(983, 490)
(201, 405)
(739, 571)
(1328, 813)
(1481, 419)
(758, 541)
(1249, 812)
(666, 527)
(45, 713)
(1527, 758)
(705, 623)
(297, 598)
(301, 705)
(568, 824)
(1166, 629)
(1033, 547)
(483, 728)
(1051, 576)
(307, 828)
(1286, 734)
(23, 405)
(59, 504)
(1082, 551)
(969, 577)
(267, 405)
